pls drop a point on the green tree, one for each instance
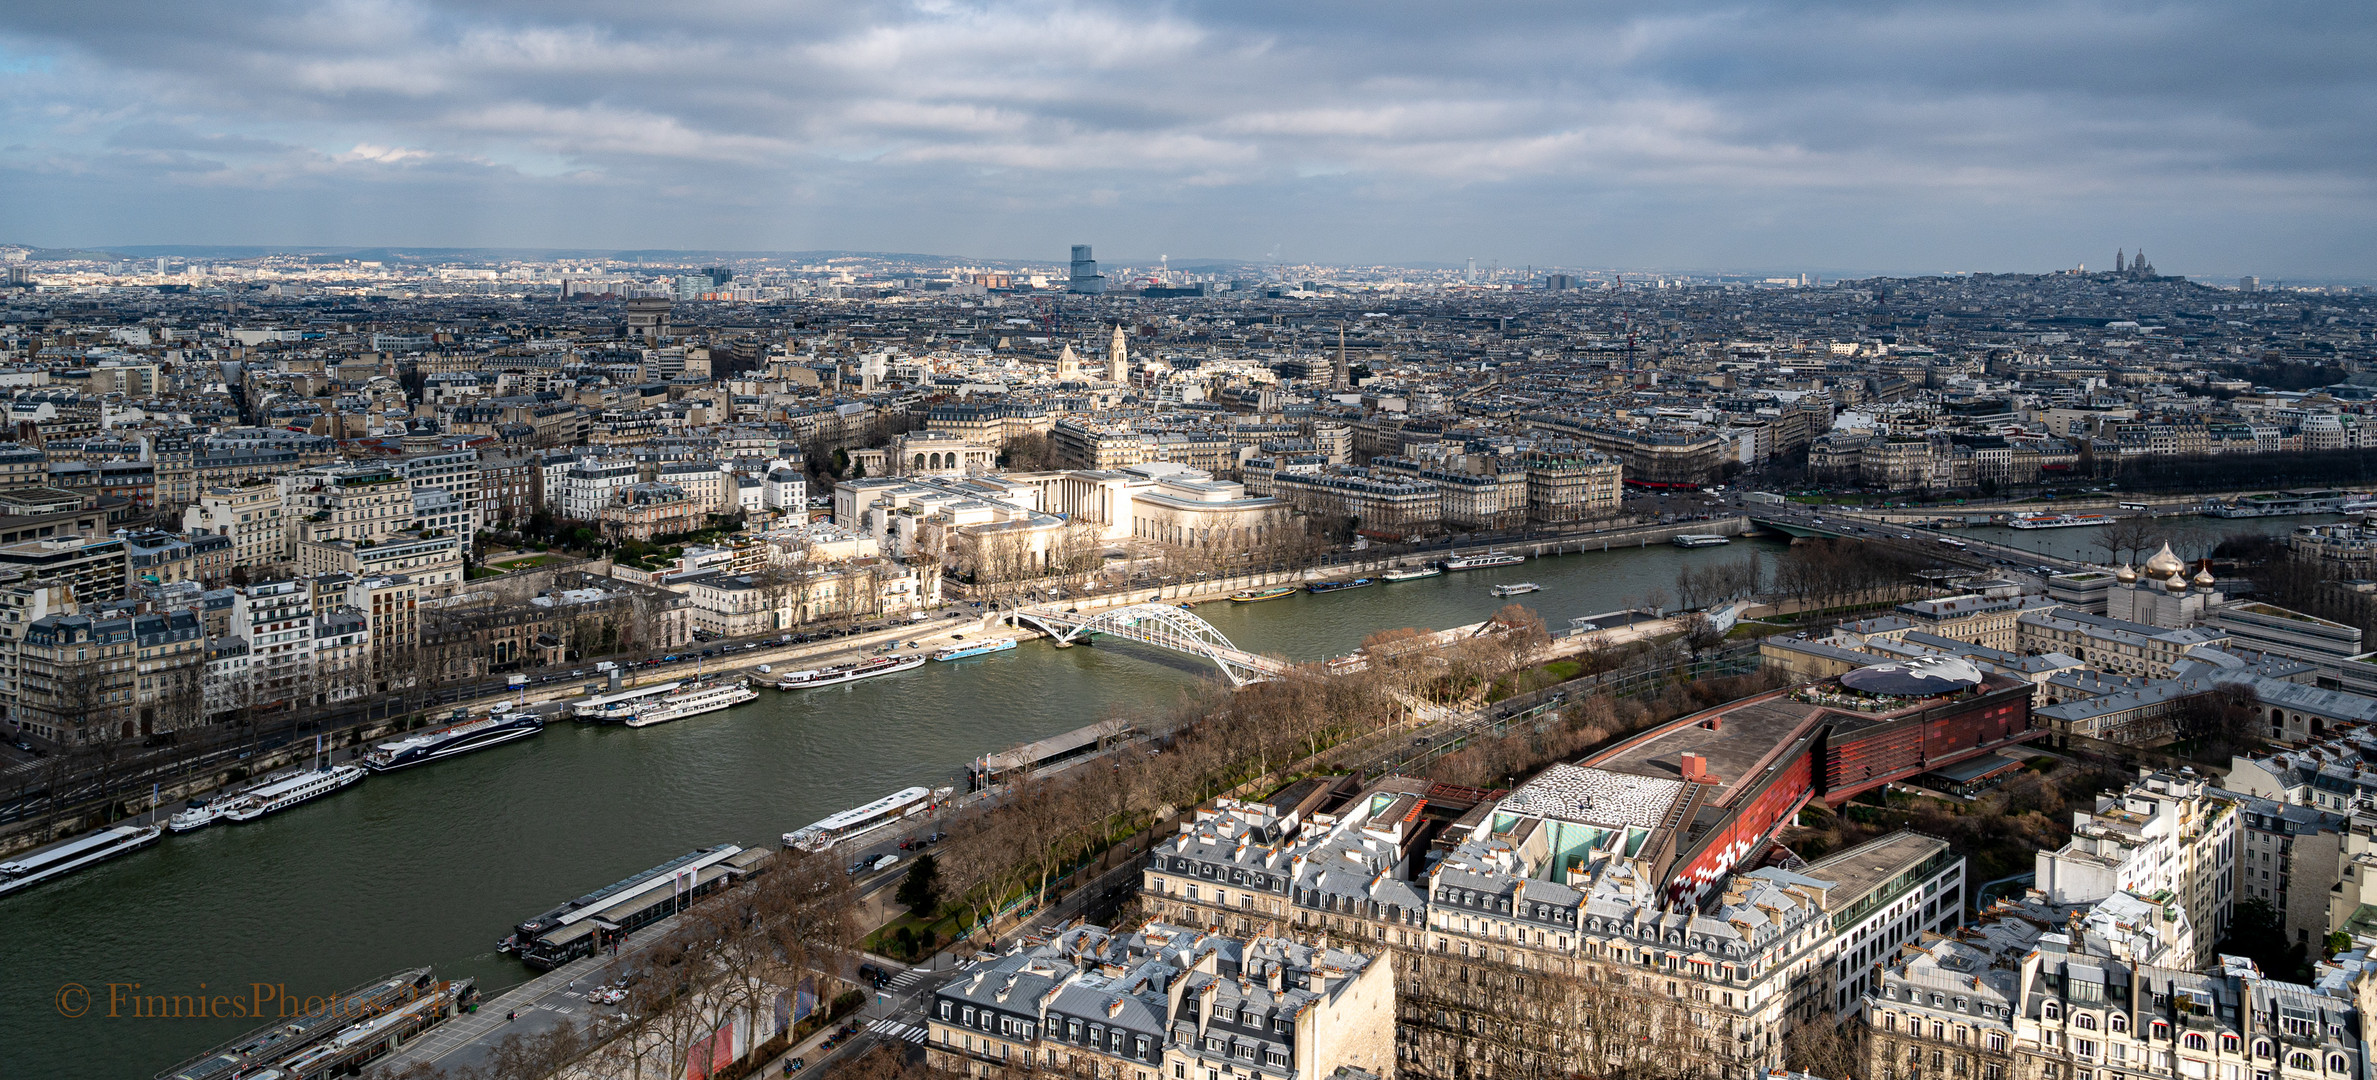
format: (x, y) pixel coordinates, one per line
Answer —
(921, 889)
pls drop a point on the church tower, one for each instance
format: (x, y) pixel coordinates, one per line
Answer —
(1342, 377)
(1068, 366)
(1118, 358)
(2120, 259)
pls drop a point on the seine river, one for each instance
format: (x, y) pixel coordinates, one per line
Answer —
(433, 865)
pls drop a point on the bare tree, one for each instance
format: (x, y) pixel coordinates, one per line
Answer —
(2124, 535)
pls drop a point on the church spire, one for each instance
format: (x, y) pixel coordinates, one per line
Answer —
(2120, 256)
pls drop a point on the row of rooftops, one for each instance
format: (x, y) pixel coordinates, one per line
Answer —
(1135, 994)
(1388, 852)
(2025, 958)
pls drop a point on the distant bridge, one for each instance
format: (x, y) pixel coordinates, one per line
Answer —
(1165, 626)
(1801, 522)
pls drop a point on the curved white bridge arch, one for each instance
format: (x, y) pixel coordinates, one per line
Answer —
(1165, 626)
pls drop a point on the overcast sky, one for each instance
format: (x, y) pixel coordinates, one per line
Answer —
(2223, 136)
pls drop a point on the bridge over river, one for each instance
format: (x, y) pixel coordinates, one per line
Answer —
(1792, 519)
(1165, 626)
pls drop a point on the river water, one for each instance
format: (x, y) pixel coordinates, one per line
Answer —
(433, 865)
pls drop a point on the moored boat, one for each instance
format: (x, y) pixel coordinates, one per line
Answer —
(1481, 562)
(1249, 596)
(963, 650)
(1319, 587)
(198, 815)
(2281, 504)
(693, 700)
(1411, 573)
(825, 833)
(279, 795)
(453, 739)
(59, 860)
(848, 673)
(2059, 521)
(1699, 540)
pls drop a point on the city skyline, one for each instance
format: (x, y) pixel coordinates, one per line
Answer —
(2224, 139)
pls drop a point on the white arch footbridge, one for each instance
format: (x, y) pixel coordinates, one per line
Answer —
(1165, 626)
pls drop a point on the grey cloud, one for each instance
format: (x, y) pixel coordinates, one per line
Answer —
(157, 136)
(1593, 133)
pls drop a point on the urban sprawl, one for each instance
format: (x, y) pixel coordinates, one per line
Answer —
(1968, 812)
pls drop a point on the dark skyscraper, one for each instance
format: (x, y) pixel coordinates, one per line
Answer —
(1086, 278)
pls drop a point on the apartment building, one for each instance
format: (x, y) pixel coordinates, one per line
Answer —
(1564, 489)
(587, 485)
(95, 568)
(250, 515)
(390, 605)
(1379, 503)
(511, 486)
(2012, 1000)
(2170, 838)
(1166, 1001)
(458, 473)
(276, 619)
(433, 563)
(345, 501)
(22, 466)
(86, 679)
(2291, 858)
(1541, 939)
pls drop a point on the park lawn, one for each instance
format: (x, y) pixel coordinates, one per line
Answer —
(885, 940)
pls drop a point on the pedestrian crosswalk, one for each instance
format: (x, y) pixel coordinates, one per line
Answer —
(907, 978)
(895, 1030)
